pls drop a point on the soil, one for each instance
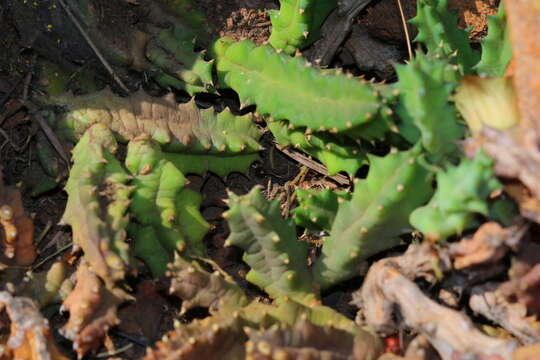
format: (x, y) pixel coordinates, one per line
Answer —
(240, 19)
(383, 18)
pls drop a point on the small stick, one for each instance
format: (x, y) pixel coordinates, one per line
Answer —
(313, 165)
(47, 130)
(27, 80)
(406, 29)
(93, 46)
(11, 90)
(56, 253)
(107, 354)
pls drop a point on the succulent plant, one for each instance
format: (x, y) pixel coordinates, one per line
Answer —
(98, 201)
(438, 31)
(277, 258)
(298, 22)
(496, 46)
(375, 216)
(291, 88)
(462, 193)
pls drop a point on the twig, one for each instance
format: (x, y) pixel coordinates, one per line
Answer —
(94, 48)
(44, 233)
(107, 354)
(15, 146)
(10, 112)
(8, 94)
(137, 341)
(57, 252)
(48, 131)
(406, 29)
(313, 165)
(27, 79)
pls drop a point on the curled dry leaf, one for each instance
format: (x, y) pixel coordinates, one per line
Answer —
(92, 310)
(17, 237)
(524, 283)
(516, 155)
(489, 106)
(304, 341)
(486, 300)
(388, 289)
(490, 243)
(30, 337)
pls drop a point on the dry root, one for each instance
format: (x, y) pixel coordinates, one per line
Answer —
(388, 291)
(486, 300)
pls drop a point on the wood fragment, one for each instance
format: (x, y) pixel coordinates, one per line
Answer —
(388, 292)
(487, 301)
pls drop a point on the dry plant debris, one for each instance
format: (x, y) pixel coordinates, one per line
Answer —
(389, 291)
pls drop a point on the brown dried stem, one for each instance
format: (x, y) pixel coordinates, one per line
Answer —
(388, 291)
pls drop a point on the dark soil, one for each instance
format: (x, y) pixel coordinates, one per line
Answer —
(239, 19)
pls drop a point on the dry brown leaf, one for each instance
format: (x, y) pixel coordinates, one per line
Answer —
(516, 157)
(30, 337)
(92, 310)
(490, 243)
(17, 238)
